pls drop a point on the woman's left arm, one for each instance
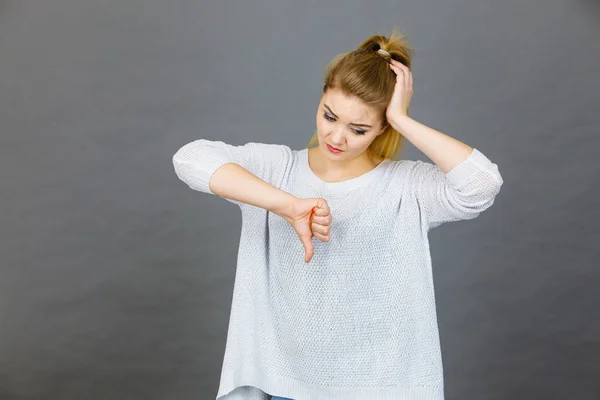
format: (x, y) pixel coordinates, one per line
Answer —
(462, 183)
(445, 151)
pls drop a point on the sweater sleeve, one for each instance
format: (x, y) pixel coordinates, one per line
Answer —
(196, 162)
(460, 194)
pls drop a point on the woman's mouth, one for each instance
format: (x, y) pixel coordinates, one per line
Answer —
(333, 149)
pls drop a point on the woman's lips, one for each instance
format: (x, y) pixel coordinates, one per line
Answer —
(333, 149)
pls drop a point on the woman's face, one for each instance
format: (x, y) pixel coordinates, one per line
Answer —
(346, 123)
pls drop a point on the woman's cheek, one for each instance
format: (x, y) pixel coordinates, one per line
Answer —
(320, 126)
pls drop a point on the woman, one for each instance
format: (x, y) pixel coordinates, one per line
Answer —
(351, 315)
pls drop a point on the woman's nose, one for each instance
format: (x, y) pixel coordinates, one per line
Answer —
(337, 138)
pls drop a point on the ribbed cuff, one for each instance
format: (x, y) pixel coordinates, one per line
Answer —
(208, 166)
(475, 162)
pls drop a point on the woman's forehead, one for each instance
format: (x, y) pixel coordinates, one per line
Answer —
(348, 107)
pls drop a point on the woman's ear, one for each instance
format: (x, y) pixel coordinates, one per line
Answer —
(384, 125)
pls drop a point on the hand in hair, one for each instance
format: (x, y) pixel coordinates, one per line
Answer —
(403, 91)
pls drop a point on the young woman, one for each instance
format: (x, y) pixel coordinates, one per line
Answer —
(351, 315)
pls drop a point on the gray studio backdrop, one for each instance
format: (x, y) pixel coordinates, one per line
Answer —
(116, 278)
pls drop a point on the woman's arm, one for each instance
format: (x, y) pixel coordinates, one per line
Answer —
(250, 175)
(462, 183)
(234, 182)
(445, 151)
(246, 174)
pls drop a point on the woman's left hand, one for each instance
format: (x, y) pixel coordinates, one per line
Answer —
(403, 91)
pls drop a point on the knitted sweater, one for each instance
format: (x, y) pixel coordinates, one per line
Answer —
(359, 320)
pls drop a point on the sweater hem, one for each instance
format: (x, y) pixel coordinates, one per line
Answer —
(284, 386)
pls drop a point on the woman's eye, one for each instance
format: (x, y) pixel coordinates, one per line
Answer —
(330, 118)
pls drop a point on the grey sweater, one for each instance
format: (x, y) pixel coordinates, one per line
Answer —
(359, 320)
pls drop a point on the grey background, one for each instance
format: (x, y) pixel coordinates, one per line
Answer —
(116, 278)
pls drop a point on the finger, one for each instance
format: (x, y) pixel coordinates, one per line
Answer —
(399, 72)
(324, 230)
(309, 251)
(322, 238)
(407, 75)
(395, 62)
(403, 75)
(326, 220)
(403, 67)
(322, 211)
(399, 64)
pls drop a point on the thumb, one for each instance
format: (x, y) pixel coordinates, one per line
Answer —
(309, 250)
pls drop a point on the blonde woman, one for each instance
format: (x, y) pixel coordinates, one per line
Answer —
(351, 314)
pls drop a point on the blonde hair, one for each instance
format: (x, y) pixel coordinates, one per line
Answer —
(364, 73)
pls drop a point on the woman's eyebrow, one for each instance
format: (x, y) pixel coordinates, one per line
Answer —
(351, 123)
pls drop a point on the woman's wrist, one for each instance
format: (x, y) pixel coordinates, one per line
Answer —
(398, 122)
(282, 204)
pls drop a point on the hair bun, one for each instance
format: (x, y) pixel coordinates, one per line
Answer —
(394, 47)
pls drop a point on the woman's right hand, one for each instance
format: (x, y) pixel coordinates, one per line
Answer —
(309, 217)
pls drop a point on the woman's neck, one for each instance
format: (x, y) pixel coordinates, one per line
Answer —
(336, 172)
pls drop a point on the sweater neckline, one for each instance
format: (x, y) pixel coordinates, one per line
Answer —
(341, 186)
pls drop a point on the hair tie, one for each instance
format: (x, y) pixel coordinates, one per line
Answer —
(381, 51)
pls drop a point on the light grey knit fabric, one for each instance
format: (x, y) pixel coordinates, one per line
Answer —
(359, 321)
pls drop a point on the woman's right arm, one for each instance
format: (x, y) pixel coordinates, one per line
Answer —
(234, 182)
(244, 174)
(309, 217)
(251, 174)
